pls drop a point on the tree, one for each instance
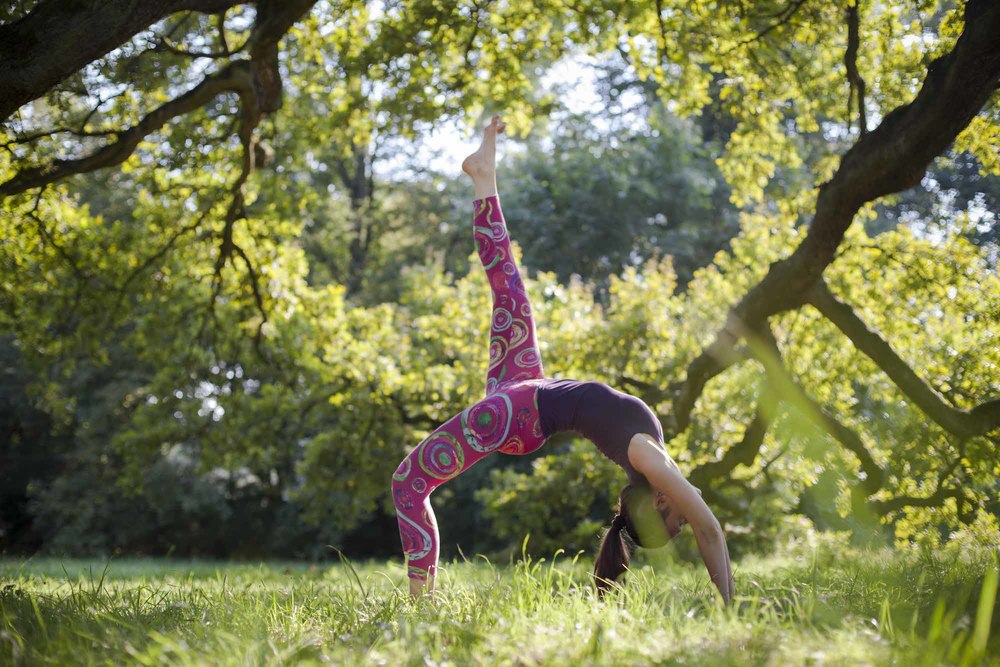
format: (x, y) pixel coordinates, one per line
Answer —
(780, 74)
(893, 156)
(210, 111)
(183, 132)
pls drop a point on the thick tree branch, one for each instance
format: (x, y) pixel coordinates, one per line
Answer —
(256, 81)
(274, 19)
(962, 423)
(235, 77)
(888, 159)
(59, 37)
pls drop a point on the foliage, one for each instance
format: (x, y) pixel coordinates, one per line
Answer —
(351, 387)
(281, 383)
(778, 70)
(594, 202)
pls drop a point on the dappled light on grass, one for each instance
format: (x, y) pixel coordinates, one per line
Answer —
(821, 608)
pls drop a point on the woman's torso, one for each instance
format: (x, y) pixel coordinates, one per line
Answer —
(605, 416)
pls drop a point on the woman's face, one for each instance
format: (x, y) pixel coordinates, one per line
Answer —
(673, 520)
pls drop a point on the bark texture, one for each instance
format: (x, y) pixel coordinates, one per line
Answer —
(59, 37)
(257, 82)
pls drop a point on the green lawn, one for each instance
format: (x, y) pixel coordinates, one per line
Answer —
(824, 608)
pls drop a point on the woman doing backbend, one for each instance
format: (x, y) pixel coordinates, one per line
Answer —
(523, 408)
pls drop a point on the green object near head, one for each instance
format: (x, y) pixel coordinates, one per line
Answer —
(645, 522)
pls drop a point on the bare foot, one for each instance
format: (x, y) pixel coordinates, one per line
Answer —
(481, 165)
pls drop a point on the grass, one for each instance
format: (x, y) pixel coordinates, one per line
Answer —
(826, 607)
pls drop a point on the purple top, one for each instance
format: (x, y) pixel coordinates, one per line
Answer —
(605, 416)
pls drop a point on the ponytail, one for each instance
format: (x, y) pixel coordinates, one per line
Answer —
(616, 548)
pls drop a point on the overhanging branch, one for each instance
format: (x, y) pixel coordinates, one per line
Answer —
(58, 38)
(257, 81)
(892, 157)
(962, 423)
(258, 84)
(235, 77)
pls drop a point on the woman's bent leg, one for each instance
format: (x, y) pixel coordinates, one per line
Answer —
(505, 421)
(440, 457)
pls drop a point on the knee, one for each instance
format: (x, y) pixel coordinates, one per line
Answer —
(408, 490)
(402, 498)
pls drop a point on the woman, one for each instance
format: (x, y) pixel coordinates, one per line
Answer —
(522, 409)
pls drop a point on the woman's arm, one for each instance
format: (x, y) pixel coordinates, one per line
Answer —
(650, 459)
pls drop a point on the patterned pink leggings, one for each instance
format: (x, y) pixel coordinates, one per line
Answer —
(506, 420)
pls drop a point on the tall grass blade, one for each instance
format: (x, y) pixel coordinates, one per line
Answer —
(984, 614)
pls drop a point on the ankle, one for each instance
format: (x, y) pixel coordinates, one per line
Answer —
(485, 187)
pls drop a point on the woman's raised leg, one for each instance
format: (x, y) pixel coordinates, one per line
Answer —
(514, 353)
(505, 421)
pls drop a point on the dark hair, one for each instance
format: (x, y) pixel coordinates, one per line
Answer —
(617, 546)
(637, 523)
